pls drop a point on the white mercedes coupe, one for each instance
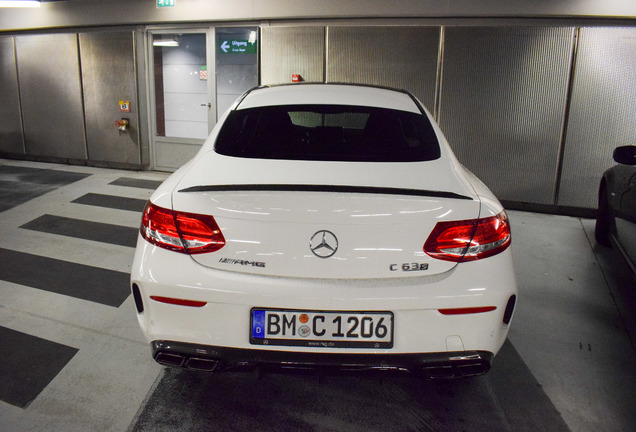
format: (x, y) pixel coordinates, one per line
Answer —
(325, 226)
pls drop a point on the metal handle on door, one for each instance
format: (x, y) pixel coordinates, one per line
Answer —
(209, 104)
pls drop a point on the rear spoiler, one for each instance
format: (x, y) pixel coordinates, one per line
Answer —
(325, 188)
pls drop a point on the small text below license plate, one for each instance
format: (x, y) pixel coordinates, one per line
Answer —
(322, 329)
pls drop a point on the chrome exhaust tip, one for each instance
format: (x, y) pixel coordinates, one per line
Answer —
(474, 369)
(202, 364)
(178, 360)
(170, 359)
(438, 372)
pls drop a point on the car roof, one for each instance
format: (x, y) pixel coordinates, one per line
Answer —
(329, 94)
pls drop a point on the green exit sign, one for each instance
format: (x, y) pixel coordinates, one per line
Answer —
(233, 46)
(165, 3)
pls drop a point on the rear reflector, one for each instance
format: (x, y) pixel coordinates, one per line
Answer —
(468, 310)
(510, 308)
(469, 240)
(179, 302)
(139, 303)
(189, 233)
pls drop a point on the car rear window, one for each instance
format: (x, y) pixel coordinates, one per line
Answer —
(328, 133)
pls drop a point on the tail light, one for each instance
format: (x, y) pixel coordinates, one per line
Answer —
(189, 233)
(469, 240)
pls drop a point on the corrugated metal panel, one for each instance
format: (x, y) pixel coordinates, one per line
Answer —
(400, 57)
(292, 50)
(602, 112)
(51, 94)
(11, 140)
(503, 98)
(105, 84)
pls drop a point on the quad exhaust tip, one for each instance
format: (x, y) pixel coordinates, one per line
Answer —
(454, 371)
(439, 371)
(169, 359)
(202, 364)
(182, 361)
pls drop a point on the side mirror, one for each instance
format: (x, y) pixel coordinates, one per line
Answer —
(625, 155)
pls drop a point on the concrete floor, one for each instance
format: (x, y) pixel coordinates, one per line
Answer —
(73, 357)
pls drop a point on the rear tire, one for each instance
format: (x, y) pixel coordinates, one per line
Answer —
(603, 218)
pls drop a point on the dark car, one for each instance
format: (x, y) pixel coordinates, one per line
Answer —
(616, 217)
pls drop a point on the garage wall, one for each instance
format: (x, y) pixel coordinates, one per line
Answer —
(401, 57)
(60, 93)
(534, 111)
(11, 139)
(292, 50)
(104, 84)
(603, 111)
(51, 95)
(504, 91)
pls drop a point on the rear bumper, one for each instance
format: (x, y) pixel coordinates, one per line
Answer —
(228, 298)
(218, 359)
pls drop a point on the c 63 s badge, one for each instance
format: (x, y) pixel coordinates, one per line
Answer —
(407, 267)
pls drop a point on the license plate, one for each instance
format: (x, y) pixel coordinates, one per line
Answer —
(322, 329)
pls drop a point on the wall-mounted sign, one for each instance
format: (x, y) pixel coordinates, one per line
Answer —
(124, 106)
(166, 3)
(233, 46)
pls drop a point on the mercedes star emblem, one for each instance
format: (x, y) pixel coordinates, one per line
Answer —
(323, 244)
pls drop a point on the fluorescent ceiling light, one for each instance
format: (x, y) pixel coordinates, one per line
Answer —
(20, 4)
(252, 38)
(165, 43)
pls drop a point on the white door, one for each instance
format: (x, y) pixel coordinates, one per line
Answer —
(195, 76)
(183, 110)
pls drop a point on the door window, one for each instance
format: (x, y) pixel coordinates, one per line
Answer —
(236, 64)
(181, 88)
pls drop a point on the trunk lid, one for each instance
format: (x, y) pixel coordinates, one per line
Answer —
(336, 220)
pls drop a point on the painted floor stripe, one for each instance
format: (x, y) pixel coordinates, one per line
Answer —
(84, 282)
(87, 230)
(20, 184)
(28, 364)
(111, 201)
(137, 183)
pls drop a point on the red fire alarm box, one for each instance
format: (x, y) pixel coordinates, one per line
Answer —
(296, 78)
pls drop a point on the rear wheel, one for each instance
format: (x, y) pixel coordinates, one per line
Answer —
(603, 218)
